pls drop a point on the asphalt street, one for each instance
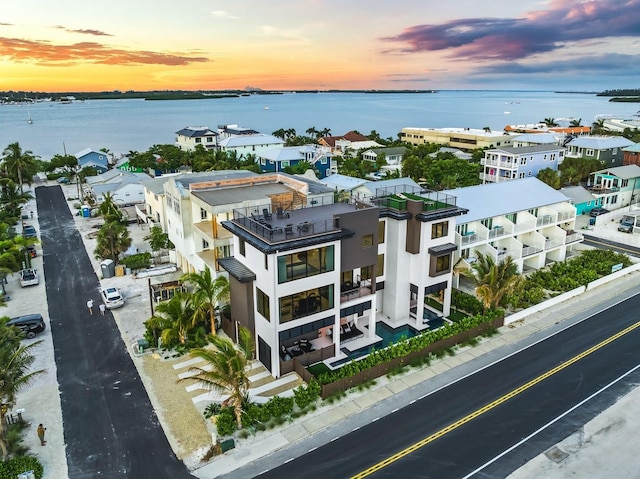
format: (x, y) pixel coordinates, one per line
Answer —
(476, 425)
(110, 427)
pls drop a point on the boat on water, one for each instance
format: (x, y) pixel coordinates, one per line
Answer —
(29, 120)
(266, 107)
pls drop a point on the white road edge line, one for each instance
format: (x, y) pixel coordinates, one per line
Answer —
(568, 411)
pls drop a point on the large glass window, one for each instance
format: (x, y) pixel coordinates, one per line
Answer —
(367, 241)
(381, 225)
(380, 265)
(438, 230)
(305, 303)
(305, 263)
(263, 304)
(440, 265)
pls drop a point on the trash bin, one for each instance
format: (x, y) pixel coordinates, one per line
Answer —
(108, 268)
(86, 211)
(143, 345)
(119, 270)
(592, 221)
(227, 444)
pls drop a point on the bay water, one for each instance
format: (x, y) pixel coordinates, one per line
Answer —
(135, 125)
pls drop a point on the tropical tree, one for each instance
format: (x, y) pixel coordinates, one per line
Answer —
(550, 122)
(15, 374)
(597, 126)
(11, 200)
(493, 280)
(208, 294)
(174, 319)
(226, 369)
(19, 164)
(550, 177)
(575, 122)
(109, 209)
(113, 240)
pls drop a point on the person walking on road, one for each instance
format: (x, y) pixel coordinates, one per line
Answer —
(103, 308)
(41, 430)
(90, 306)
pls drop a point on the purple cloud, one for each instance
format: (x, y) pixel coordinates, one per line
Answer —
(537, 32)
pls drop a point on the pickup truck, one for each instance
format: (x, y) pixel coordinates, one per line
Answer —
(28, 277)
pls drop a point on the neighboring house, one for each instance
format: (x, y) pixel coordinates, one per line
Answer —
(631, 155)
(506, 164)
(536, 128)
(525, 219)
(465, 139)
(123, 165)
(581, 199)
(250, 144)
(620, 124)
(343, 183)
(328, 277)
(461, 155)
(615, 187)
(228, 131)
(124, 187)
(89, 158)
(392, 156)
(277, 159)
(536, 139)
(607, 149)
(197, 205)
(373, 189)
(351, 140)
(190, 137)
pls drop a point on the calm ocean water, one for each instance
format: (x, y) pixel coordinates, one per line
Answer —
(125, 125)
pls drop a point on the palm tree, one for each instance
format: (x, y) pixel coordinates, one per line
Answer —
(226, 369)
(15, 374)
(597, 126)
(576, 123)
(208, 294)
(113, 239)
(108, 209)
(493, 280)
(12, 198)
(550, 122)
(174, 319)
(19, 164)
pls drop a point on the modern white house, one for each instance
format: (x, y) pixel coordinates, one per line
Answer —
(535, 139)
(317, 283)
(191, 136)
(525, 219)
(509, 163)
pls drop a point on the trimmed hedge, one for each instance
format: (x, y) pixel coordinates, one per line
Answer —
(11, 468)
(403, 348)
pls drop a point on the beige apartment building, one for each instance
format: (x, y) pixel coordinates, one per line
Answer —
(466, 139)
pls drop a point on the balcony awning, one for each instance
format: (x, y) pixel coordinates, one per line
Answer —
(442, 249)
(236, 269)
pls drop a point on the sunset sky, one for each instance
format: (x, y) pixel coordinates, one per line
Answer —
(77, 45)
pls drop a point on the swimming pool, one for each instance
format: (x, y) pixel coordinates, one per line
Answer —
(389, 336)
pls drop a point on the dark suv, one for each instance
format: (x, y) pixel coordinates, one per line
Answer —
(30, 325)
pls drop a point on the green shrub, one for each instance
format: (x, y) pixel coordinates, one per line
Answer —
(11, 468)
(466, 302)
(305, 395)
(226, 422)
(212, 409)
(137, 261)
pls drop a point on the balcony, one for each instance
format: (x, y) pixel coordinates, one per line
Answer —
(396, 198)
(496, 232)
(510, 165)
(530, 250)
(545, 220)
(573, 237)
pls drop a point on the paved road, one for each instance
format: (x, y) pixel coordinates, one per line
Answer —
(110, 427)
(603, 243)
(465, 437)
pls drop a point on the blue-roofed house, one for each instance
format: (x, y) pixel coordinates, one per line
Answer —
(277, 159)
(533, 139)
(581, 198)
(525, 219)
(251, 144)
(607, 149)
(88, 158)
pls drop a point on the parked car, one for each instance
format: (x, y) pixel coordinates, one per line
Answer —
(112, 298)
(626, 226)
(31, 251)
(30, 324)
(28, 277)
(598, 211)
(29, 231)
(63, 180)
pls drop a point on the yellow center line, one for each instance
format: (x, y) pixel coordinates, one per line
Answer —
(491, 405)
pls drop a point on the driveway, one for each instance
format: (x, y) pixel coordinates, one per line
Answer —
(110, 427)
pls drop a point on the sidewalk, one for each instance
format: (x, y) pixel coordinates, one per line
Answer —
(417, 382)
